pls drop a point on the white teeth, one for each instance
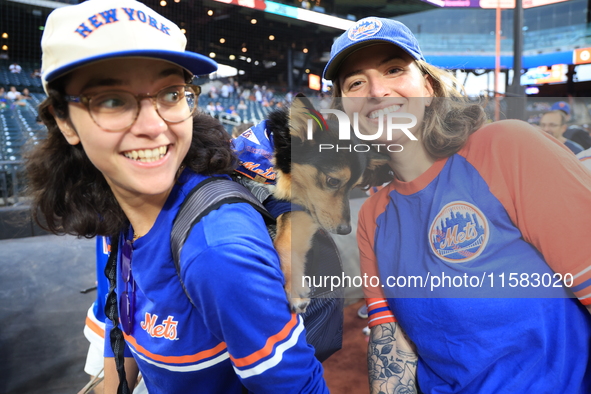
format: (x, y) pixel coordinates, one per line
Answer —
(147, 155)
(383, 111)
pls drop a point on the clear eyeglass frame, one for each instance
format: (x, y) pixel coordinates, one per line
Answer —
(157, 101)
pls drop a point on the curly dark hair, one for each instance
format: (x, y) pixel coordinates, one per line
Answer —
(71, 196)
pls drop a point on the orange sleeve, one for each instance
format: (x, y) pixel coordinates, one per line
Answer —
(378, 310)
(545, 190)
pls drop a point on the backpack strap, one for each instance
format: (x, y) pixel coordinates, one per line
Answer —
(208, 196)
(116, 335)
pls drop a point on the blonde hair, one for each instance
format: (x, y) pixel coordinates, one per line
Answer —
(451, 117)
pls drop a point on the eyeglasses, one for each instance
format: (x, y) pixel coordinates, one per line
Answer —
(116, 110)
(127, 298)
(550, 125)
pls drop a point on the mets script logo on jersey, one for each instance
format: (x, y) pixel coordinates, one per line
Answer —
(165, 330)
(364, 29)
(459, 232)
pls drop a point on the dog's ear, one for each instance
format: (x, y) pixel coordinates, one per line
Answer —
(278, 125)
(297, 118)
(376, 159)
(303, 99)
(303, 116)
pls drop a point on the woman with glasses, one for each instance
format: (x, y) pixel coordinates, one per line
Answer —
(470, 242)
(125, 146)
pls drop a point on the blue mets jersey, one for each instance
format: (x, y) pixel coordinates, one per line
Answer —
(255, 149)
(241, 332)
(471, 257)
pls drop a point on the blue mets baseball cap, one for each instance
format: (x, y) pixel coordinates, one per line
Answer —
(369, 31)
(562, 106)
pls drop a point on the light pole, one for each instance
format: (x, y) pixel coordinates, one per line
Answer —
(517, 96)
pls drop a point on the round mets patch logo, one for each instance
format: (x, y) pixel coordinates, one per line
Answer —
(459, 232)
(365, 28)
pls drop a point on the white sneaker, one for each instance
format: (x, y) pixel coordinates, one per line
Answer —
(362, 312)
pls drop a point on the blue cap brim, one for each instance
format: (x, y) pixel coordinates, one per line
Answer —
(334, 64)
(193, 62)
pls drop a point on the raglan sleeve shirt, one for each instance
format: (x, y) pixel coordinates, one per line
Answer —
(377, 307)
(542, 186)
(545, 190)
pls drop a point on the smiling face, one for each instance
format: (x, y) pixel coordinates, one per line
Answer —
(381, 79)
(142, 160)
(553, 123)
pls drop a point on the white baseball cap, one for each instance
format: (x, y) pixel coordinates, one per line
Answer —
(104, 29)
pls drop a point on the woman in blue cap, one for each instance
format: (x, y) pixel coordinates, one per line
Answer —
(125, 147)
(473, 236)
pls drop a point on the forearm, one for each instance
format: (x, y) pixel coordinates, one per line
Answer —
(391, 360)
(589, 308)
(112, 378)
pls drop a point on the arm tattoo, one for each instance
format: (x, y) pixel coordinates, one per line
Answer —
(391, 361)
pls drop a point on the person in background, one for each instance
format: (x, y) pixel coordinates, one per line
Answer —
(94, 327)
(585, 158)
(237, 89)
(125, 146)
(579, 135)
(2, 98)
(564, 107)
(231, 111)
(258, 95)
(13, 94)
(213, 92)
(242, 105)
(574, 132)
(25, 95)
(463, 199)
(554, 123)
(15, 68)
(225, 90)
(231, 91)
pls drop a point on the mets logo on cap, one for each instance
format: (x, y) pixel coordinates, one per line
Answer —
(364, 28)
(459, 233)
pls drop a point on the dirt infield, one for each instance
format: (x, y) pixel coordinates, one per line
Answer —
(346, 371)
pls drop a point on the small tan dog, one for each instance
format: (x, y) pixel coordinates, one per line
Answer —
(317, 181)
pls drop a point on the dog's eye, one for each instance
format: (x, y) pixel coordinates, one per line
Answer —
(332, 182)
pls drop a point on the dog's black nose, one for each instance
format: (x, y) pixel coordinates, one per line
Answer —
(343, 229)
